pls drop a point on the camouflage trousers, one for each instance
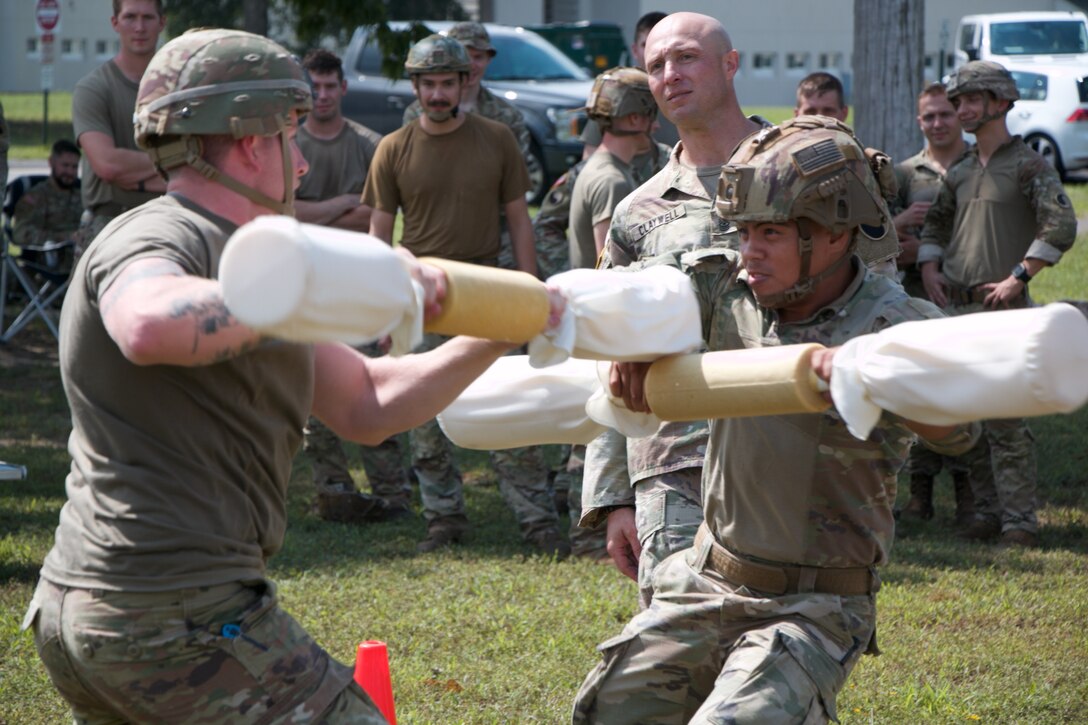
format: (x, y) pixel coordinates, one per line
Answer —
(668, 512)
(218, 654)
(382, 463)
(1002, 464)
(1003, 474)
(708, 651)
(926, 462)
(583, 541)
(522, 473)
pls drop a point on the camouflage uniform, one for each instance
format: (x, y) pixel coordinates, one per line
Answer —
(660, 475)
(985, 220)
(46, 213)
(919, 179)
(764, 617)
(153, 604)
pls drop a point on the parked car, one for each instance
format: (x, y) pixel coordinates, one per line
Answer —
(546, 86)
(1023, 37)
(1052, 113)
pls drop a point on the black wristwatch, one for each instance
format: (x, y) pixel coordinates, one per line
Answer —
(1021, 273)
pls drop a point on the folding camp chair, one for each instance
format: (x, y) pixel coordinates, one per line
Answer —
(37, 278)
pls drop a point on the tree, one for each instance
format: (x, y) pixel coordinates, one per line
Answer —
(888, 57)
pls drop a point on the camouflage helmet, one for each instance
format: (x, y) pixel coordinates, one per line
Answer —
(437, 54)
(211, 82)
(472, 35)
(983, 75)
(218, 82)
(618, 92)
(808, 169)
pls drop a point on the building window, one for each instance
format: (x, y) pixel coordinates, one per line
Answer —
(763, 63)
(32, 47)
(797, 62)
(102, 49)
(830, 60)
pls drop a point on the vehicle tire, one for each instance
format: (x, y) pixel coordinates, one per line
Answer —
(538, 176)
(1045, 147)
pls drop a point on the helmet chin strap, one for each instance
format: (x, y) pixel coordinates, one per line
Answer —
(189, 150)
(805, 283)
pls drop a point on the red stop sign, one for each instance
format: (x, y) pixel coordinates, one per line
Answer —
(47, 13)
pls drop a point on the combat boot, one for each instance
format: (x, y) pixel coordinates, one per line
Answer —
(550, 543)
(443, 531)
(352, 507)
(965, 499)
(920, 506)
(1019, 537)
(981, 530)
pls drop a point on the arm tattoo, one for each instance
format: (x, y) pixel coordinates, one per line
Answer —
(210, 315)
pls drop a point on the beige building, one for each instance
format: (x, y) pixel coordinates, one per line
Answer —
(83, 40)
(780, 41)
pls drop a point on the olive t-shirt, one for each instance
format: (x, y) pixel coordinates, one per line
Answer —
(451, 188)
(104, 101)
(338, 165)
(599, 188)
(179, 474)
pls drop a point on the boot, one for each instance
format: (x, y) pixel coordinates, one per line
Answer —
(920, 506)
(965, 499)
(443, 531)
(981, 530)
(352, 507)
(550, 543)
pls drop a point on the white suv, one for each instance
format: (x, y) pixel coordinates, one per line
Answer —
(1031, 37)
(1052, 113)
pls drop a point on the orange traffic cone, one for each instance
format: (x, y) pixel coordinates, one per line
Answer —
(372, 674)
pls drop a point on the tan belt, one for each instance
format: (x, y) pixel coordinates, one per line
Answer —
(786, 579)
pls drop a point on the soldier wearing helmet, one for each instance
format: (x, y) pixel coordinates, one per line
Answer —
(765, 616)
(185, 421)
(1000, 217)
(621, 104)
(454, 175)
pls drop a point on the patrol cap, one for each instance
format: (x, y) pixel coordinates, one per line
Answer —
(473, 35)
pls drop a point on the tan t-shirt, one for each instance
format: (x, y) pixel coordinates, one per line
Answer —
(104, 101)
(337, 165)
(179, 474)
(450, 187)
(599, 188)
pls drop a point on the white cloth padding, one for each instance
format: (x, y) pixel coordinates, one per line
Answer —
(612, 412)
(1006, 364)
(513, 404)
(622, 316)
(312, 284)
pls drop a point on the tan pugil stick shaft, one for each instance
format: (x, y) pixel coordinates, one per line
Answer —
(498, 304)
(735, 383)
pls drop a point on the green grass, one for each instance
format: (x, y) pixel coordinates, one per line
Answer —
(24, 114)
(489, 633)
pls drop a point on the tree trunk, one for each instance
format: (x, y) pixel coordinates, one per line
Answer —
(888, 57)
(255, 16)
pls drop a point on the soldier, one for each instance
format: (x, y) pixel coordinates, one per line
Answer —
(117, 176)
(153, 604)
(338, 152)
(436, 169)
(643, 27)
(1000, 217)
(475, 98)
(646, 490)
(50, 210)
(621, 105)
(821, 94)
(765, 616)
(918, 179)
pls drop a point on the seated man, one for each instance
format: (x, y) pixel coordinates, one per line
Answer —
(50, 210)
(765, 616)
